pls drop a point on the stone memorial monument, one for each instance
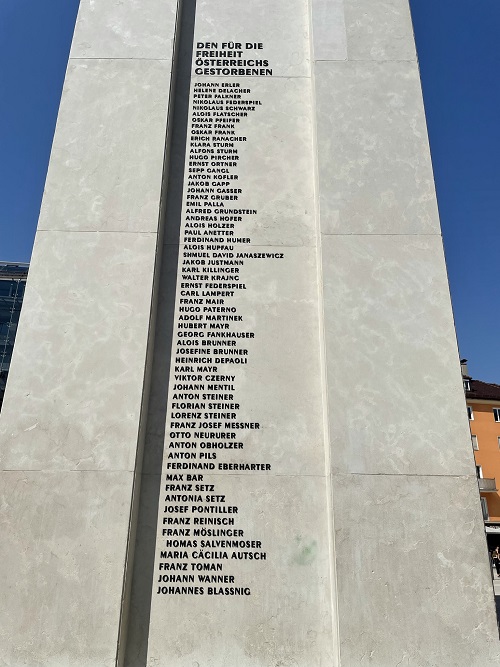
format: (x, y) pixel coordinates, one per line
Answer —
(234, 432)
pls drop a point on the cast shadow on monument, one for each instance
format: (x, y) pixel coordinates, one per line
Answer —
(136, 630)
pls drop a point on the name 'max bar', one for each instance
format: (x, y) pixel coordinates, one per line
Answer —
(219, 438)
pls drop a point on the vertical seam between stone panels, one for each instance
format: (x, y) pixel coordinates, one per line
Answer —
(136, 481)
(322, 358)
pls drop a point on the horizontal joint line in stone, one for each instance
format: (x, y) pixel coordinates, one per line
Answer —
(331, 60)
(99, 231)
(154, 60)
(432, 235)
(363, 60)
(400, 474)
(58, 471)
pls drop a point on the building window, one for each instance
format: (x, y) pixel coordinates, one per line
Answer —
(470, 414)
(479, 472)
(484, 507)
(475, 446)
(467, 385)
(496, 414)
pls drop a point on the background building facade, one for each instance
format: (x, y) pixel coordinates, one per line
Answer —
(12, 283)
(483, 410)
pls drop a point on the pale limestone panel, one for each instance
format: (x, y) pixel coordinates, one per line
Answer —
(286, 619)
(396, 402)
(280, 386)
(79, 362)
(375, 169)
(156, 419)
(105, 171)
(275, 165)
(125, 29)
(414, 586)
(281, 26)
(144, 577)
(329, 31)
(63, 549)
(379, 30)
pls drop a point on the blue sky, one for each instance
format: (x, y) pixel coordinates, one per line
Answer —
(34, 44)
(458, 46)
(459, 52)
